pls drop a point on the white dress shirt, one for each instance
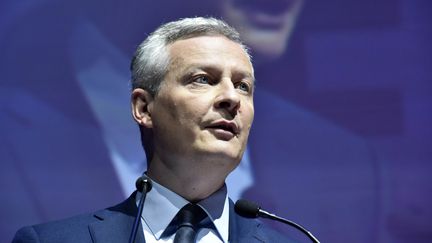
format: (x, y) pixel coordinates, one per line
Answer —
(162, 205)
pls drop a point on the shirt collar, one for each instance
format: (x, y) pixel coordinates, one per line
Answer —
(162, 205)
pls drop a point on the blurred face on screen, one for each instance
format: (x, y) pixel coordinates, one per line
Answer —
(204, 109)
(265, 25)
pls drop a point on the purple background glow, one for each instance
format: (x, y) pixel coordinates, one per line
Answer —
(342, 139)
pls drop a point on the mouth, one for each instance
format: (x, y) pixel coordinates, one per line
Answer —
(224, 130)
(275, 7)
(263, 14)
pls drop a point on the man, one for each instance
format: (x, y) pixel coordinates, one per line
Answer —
(267, 27)
(40, 164)
(193, 85)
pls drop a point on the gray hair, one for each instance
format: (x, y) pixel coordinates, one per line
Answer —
(151, 59)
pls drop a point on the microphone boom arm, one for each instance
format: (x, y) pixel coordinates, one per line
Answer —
(143, 185)
(265, 214)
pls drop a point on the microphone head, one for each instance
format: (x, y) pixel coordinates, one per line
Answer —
(141, 181)
(246, 208)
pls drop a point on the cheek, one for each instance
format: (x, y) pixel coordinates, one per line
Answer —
(183, 115)
(248, 115)
(192, 111)
(166, 112)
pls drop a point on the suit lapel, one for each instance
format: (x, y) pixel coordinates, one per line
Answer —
(244, 230)
(115, 224)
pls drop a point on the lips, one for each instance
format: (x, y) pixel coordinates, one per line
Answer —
(225, 129)
(275, 7)
(264, 14)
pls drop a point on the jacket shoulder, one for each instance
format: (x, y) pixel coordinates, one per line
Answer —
(81, 228)
(73, 229)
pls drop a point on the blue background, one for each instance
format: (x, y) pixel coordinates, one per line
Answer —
(342, 136)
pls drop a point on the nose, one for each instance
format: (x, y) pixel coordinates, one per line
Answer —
(228, 98)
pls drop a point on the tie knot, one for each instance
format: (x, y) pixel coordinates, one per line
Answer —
(191, 215)
(189, 220)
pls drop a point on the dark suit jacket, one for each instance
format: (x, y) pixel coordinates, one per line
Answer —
(114, 225)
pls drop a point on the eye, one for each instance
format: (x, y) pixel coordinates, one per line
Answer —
(202, 80)
(244, 86)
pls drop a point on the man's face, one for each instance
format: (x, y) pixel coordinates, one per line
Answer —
(265, 25)
(204, 108)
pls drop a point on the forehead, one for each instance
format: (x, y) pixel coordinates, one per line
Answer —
(212, 51)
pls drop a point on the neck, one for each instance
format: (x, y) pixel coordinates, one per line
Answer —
(193, 184)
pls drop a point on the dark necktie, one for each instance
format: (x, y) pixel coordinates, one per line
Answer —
(189, 218)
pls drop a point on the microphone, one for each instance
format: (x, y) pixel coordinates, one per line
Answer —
(143, 185)
(250, 209)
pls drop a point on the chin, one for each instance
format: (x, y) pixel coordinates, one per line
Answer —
(272, 44)
(224, 155)
(230, 151)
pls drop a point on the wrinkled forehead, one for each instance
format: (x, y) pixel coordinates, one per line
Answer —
(208, 50)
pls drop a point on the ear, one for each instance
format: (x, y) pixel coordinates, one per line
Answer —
(142, 106)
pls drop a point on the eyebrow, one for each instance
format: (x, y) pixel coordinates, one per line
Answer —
(213, 69)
